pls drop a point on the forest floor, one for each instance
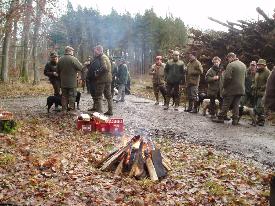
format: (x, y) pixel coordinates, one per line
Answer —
(46, 161)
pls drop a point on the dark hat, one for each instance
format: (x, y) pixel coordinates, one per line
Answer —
(53, 54)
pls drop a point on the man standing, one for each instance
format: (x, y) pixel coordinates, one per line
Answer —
(248, 99)
(122, 79)
(174, 76)
(269, 97)
(114, 77)
(259, 87)
(157, 71)
(84, 73)
(232, 88)
(194, 70)
(67, 68)
(51, 72)
(213, 77)
(103, 80)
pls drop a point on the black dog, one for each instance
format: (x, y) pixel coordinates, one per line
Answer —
(57, 101)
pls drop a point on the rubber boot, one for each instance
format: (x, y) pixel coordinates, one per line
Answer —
(195, 108)
(98, 105)
(157, 99)
(64, 103)
(190, 106)
(110, 107)
(166, 105)
(235, 121)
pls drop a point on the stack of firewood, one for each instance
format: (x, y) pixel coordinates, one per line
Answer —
(250, 40)
(139, 158)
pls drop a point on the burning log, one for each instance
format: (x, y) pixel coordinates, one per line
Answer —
(138, 159)
(151, 169)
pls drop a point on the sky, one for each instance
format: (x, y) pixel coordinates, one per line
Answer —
(194, 13)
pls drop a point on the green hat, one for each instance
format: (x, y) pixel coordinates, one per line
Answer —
(53, 54)
(261, 62)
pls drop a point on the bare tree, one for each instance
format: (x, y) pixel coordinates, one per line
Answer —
(6, 41)
(26, 37)
(40, 7)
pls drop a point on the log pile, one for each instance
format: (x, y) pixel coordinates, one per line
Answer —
(250, 40)
(138, 158)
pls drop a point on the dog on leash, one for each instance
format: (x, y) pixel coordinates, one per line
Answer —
(206, 104)
(57, 101)
(244, 110)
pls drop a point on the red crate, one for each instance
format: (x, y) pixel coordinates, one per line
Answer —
(116, 126)
(102, 127)
(113, 126)
(85, 126)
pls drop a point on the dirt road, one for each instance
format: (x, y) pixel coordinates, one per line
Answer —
(257, 143)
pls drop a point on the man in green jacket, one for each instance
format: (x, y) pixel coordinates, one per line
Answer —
(232, 88)
(213, 78)
(157, 72)
(194, 70)
(248, 98)
(259, 87)
(174, 76)
(67, 68)
(103, 80)
(269, 97)
(122, 79)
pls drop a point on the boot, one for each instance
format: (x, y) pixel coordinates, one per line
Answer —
(98, 106)
(190, 106)
(166, 105)
(64, 103)
(157, 99)
(260, 120)
(195, 108)
(235, 121)
(218, 119)
(110, 108)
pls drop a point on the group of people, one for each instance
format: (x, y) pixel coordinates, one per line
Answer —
(234, 86)
(101, 74)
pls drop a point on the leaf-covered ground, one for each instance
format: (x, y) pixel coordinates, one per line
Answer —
(17, 89)
(48, 162)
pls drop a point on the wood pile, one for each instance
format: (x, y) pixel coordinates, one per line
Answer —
(250, 40)
(138, 158)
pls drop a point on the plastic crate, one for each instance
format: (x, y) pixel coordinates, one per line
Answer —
(113, 126)
(85, 126)
(102, 127)
(116, 126)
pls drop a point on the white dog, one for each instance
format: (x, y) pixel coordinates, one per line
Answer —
(205, 106)
(244, 110)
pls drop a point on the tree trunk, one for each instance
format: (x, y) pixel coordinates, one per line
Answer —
(39, 8)
(5, 57)
(26, 33)
(14, 44)
(6, 44)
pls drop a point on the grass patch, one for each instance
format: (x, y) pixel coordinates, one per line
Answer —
(6, 159)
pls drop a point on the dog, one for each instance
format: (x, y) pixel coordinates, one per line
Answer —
(205, 106)
(57, 101)
(244, 110)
